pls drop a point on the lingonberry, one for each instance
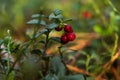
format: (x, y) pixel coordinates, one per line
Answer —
(87, 14)
(68, 28)
(58, 28)
(64, 39)
(71, 36)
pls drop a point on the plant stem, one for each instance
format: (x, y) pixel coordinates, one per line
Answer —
(47, 41)
(115, 44)
(46, 59)
(87, 63)
(18, 58)
(8, 51)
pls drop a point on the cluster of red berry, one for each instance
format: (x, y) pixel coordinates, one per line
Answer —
(69, 35)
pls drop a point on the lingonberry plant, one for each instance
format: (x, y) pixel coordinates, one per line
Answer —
(30, 59)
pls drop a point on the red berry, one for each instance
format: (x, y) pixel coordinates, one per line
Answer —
(68, 29)
(87, 14)
(64, 39)
(71, 36)
(58, 28)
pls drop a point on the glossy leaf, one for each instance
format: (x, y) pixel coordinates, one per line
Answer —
(51, 16)
(36, 21)
(37, 15)
(57, 39)
(40, 33)
(52, 25)
(51, 77)
(59, 16)
(57, 12)
(66, 20)
(57, 66)
(42, 22)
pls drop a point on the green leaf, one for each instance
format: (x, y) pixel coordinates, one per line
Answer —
(52, 25)
(36, 21)
(58, 16)
(51, 77)
(74, 77)
(41, 32)
(57, 66)
(42, 22)
(51, 16)
(57, 12)
(66, 20)
(37, 15)
(57, 39)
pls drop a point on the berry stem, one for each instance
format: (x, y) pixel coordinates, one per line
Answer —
(44, 56)
(47, 41)
(8, 51)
